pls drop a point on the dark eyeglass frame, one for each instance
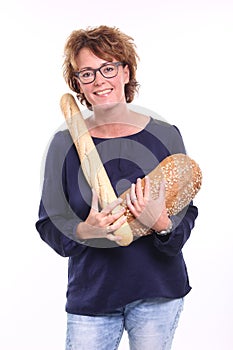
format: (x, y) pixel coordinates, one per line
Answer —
(116, 64)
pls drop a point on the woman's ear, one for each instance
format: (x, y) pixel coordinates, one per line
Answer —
(126, 74)
(77, 85)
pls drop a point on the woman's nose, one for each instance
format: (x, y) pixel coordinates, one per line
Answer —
(99, 79)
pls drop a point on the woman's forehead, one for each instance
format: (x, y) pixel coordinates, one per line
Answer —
(88, 59)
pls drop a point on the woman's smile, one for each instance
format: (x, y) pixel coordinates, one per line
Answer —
(104, 92)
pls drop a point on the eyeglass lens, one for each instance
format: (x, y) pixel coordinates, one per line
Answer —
(108, 70)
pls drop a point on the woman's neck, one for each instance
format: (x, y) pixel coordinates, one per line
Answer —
(116, 120)
(110, 113)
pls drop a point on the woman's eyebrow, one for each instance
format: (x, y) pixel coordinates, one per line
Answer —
(103, 64)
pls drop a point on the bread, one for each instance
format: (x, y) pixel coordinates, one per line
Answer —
(183, 181)
(182, 174)
(91, 163)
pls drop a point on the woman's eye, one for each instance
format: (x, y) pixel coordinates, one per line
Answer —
(108, 69)
(86, 74)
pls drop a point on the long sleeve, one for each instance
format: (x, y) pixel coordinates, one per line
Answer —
(184, 223)
(57, 222)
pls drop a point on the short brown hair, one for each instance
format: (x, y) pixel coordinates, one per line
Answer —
(106, 43)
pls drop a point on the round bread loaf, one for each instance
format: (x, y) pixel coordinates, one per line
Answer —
(183, 178)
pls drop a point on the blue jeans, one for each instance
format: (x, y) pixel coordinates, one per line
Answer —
(150, 325)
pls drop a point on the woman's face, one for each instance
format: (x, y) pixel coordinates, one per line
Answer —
(102, 90)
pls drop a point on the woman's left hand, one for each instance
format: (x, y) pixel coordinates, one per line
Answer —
(150, 212)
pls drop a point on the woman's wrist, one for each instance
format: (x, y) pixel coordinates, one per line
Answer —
(79, 232)
(167, 230)
(163, 223)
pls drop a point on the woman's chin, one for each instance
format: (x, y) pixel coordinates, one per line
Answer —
(107, 105)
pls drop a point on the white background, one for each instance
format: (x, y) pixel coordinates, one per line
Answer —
(186, 76)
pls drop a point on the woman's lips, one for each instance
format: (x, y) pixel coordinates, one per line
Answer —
(104, 92)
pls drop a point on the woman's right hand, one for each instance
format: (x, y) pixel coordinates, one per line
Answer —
(102, 224)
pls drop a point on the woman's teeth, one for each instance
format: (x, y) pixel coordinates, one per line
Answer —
(104, 92)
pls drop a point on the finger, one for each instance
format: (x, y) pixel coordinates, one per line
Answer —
(115, 226)
(111, 218)
(162, 190)
(111, 206)
(113, 238)
(133, 196)
(131, 205)
(139, 191)
(119, 222)
(147, 188)
(94, 202)
(109, 229)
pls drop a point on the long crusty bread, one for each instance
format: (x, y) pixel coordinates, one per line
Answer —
(91, 163)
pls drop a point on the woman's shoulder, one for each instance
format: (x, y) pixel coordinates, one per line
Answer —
(60, 142)
(163, 127)
(62, 137)
(159, 123)
(167, 133)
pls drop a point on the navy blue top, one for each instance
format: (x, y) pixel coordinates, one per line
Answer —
(102, 279)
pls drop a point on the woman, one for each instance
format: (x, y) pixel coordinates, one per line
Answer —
(141, 287)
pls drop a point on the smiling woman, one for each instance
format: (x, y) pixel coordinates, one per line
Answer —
(141, 285)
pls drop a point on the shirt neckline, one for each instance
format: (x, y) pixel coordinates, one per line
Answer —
(126, 136)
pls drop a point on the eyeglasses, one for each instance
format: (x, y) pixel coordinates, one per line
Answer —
(107, 70)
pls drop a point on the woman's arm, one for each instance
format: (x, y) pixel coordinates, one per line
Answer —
(52, 229)
(183, 223)
(57, 223)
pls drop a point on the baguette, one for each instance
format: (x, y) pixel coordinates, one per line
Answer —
(91, 163)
